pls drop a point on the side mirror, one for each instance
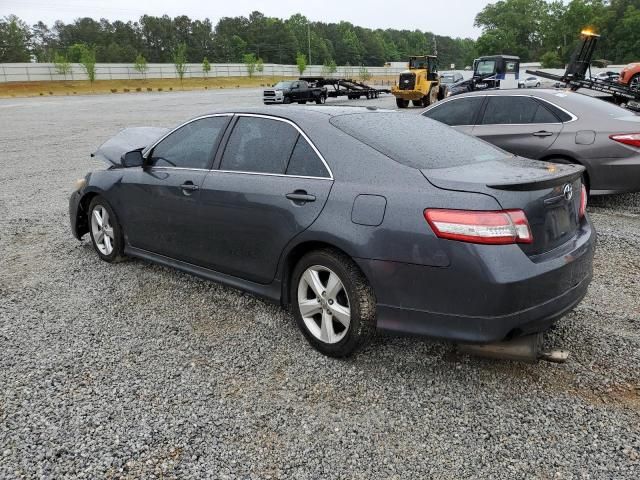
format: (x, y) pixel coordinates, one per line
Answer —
(132, 159)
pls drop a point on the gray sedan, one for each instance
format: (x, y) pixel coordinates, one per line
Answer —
(556, 126)
(356, 219)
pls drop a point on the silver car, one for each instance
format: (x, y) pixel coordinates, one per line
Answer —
(556, 126)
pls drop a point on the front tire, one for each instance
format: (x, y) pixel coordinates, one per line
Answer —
(105, 231)
(321, 99)
(417, 103)
(634, 83)
(400, 103)
(332, 302)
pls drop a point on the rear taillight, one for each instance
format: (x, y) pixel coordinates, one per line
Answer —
(632, 139)
(488, 227)
(583, 202)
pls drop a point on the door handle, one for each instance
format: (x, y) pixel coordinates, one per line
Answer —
(189, 187)
(300, 196)
(542, 133)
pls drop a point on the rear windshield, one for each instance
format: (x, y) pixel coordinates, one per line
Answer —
(416, 141)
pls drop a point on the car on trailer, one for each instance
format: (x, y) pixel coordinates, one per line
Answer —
(332, 212)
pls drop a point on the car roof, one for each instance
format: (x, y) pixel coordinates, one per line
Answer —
(293, 112)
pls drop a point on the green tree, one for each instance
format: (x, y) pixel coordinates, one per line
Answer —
(86, 57)
(329, 67)
(364, 74)
(14, 40)
(259, 66)
(301, 62)
(180, 61)
(551, 60)
(249, 60)
(141, 65)
(206, 67)
(61, 65)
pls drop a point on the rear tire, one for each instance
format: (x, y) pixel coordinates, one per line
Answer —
(105, 231)
(321, 99)
(332, 302)
(400, 103)
(634, 83)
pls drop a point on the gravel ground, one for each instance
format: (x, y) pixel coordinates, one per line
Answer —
(139, 371)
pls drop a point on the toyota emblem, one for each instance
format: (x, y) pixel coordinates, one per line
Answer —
(568, 192)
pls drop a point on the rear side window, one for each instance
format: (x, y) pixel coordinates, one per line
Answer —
(561, 114)
(191, 146)
(416, 141)
(305, 162)
(460, 111)
(259, 145)
(504, 110)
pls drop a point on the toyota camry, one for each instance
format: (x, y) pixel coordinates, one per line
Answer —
(357, 219)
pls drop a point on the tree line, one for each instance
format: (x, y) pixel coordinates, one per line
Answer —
(532, 29)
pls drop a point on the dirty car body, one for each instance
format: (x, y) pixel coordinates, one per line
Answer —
(387, 202)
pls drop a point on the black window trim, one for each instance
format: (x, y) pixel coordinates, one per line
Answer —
(474, 119)
(147, 151)
(217, 162)
(535, 99)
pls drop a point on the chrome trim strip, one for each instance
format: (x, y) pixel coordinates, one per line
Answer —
(273, 174)
(257, 115)
(304, 135)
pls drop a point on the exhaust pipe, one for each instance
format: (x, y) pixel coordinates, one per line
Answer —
(521, 349)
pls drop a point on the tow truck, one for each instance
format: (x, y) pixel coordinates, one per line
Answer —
(575, 76)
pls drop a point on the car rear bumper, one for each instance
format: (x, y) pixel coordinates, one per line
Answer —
(616, 175)
(487, 294)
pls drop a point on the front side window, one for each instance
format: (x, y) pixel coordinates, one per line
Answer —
(506, 110)
(486, 67)
(456, 112)
(259, 145)
(191, 146)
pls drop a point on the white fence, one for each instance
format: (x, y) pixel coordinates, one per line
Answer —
(28, 72)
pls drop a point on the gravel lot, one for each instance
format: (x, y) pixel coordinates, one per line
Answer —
(139, 371)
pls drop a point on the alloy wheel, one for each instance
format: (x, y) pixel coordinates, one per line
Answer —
(324, 304)
(101, 230)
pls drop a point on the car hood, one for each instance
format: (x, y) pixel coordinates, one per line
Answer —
(127, 140)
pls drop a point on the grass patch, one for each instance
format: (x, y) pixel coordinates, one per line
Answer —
(84, 87)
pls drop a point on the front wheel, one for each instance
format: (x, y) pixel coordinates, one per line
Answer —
(400, 103)
(332, 302)
(634, 83)
(321, 99)
(417, 103)
(105, 231)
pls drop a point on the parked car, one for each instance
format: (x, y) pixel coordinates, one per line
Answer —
(357, 219)
(608, 76)
(630, 76)
(556, 126)
(451, 78)
(294, 91)
(529, 82)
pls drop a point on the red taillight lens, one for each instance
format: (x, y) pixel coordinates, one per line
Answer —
(583, 201)
(500, 227)
(632, 139)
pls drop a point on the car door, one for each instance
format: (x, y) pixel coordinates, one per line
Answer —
(271, 184)
(458, 112)
(295, 91)
(519, 124)
(160, 200)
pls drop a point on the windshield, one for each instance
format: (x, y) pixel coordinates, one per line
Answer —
(282, 85)
(416, 141)
(486, 67)
(418, 63)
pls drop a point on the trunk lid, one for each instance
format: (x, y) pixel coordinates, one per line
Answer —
(548, 193)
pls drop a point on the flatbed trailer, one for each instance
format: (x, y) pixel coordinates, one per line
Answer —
(345, 87)
(575, 77)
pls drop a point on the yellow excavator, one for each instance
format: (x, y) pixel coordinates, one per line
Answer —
(420, 84)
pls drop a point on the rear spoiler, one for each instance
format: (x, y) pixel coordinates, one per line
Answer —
(567, 175)
(126, 140)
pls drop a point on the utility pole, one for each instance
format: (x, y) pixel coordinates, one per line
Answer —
(309, 39)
